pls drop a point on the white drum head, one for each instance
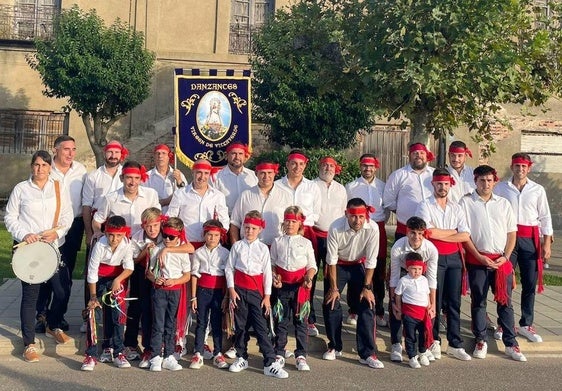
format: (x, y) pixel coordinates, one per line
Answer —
(36, 262)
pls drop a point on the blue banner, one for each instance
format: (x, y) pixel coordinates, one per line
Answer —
(211, 112)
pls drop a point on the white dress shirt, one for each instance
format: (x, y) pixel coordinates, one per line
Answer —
(307, 196)
(398, 253)
(101, 253)
(209, 261)
(293, 253)
(464, 183)
(232, 185)
(345, 244)
(332, 203)
(371, 193)
(98, 183)
(194, 210)
(165, 185)
(252, 259)
(174, 265)
(72, 182)
(414, 291)
(452, 217)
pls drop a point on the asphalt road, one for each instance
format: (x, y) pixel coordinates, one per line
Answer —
(494, 373)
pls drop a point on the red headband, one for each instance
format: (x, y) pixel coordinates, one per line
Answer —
(254, 221)
(202, 166)
(174, 232)
(331, 160)
(239, 145)
(110, 229)
(460, 150)
(370, 161)
(214, 228)
(361, 210)
(136, 171)
(268, 166)
(443, 178)
(421, 147)
(157, 219)
(415, 262)
(297, 156)
(117, 145)
(292, 216)
(164, 147)
(520, 160)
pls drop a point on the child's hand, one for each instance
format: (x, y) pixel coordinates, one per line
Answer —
(397, 314)
(116, 287)
(93, 303)
(266, 305)
(277, 281)
(194, 304)
(431, 311)
(233, 299)
(150, 275)
(160, 281)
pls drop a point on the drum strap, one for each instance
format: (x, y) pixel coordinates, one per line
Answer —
(57, 210)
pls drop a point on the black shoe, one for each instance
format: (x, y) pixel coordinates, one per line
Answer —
(64, 326)
(40, 327)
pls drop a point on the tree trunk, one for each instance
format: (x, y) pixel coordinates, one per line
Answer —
(419, 132)
(96, 130)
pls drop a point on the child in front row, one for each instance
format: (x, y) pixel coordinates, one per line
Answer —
(294, 267)
(169, 277)
(208, 286)
(109, 267)
(248, 279)
(414, 308)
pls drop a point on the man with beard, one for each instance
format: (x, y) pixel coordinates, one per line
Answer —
(461, 173)
(408, 186)
(369, 188)
(163, 177)
(233, 179)
(333, 202)
(447, 229)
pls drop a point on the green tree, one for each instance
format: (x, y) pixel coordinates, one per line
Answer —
(104, 72)
(445, 63)
(294, 56)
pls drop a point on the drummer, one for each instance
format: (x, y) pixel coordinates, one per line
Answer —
(36, 211)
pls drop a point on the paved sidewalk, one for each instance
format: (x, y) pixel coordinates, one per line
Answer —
(548, 321)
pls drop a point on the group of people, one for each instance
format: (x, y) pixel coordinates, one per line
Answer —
(242, 251)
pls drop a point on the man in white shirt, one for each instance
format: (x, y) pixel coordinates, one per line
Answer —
(234, 178)
(447, 230)
(164, 178)
(266, 197)
(333, 202)
(353, 246)
(532, 213)
(197, 203)
(493, 233)
(408, 186)
(461, 172)
(371, 189)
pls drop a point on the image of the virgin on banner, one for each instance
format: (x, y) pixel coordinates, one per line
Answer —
(211, 112)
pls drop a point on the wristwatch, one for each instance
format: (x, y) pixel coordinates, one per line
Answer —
(368, 286)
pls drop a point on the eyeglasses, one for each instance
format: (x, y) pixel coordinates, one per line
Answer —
(169, 237)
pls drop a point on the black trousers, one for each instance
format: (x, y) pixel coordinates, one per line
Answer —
(287, 295)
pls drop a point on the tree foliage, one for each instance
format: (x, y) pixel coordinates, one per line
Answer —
(444, 63)
(299, 84)
(104, 72)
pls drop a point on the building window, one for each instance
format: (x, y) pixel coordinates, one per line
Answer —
(28, 19)
(246, 17)
(26, 131)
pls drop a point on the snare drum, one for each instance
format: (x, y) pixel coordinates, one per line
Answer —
(36, 262)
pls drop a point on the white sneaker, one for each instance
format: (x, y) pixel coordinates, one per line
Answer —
(382, 320)
(230, 353)
(280, 360)
(529, 333)
(84, 327)
(156, 363)
(498, 333)
(145, 359)
(396, 352)
(302, 365)
(414, 363)
(546, 265)
(275, 370)
(436, 349)
(170, 363)
(372, 361)
(429, 355)
(289, 354)
(207, 352)
(238, 365)
(515, 353)
(131, 353)
(458, 353)
(352, 319)
(480, 350)
(88, 364)
(121, 361)
(196, 361)
(423, 359)
(107, 355)
(311, 330)
(331, 354)
(219, 361)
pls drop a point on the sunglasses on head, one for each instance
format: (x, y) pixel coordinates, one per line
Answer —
(169, 237)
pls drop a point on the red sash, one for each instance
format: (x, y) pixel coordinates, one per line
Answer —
(344, 262)
(211, 282)
(420, 313)
(168, 288)
(287, 277)
(445, 248)
(246, 281)
(532, 231)
(401, 228)
(111, 271)
(504, 271)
